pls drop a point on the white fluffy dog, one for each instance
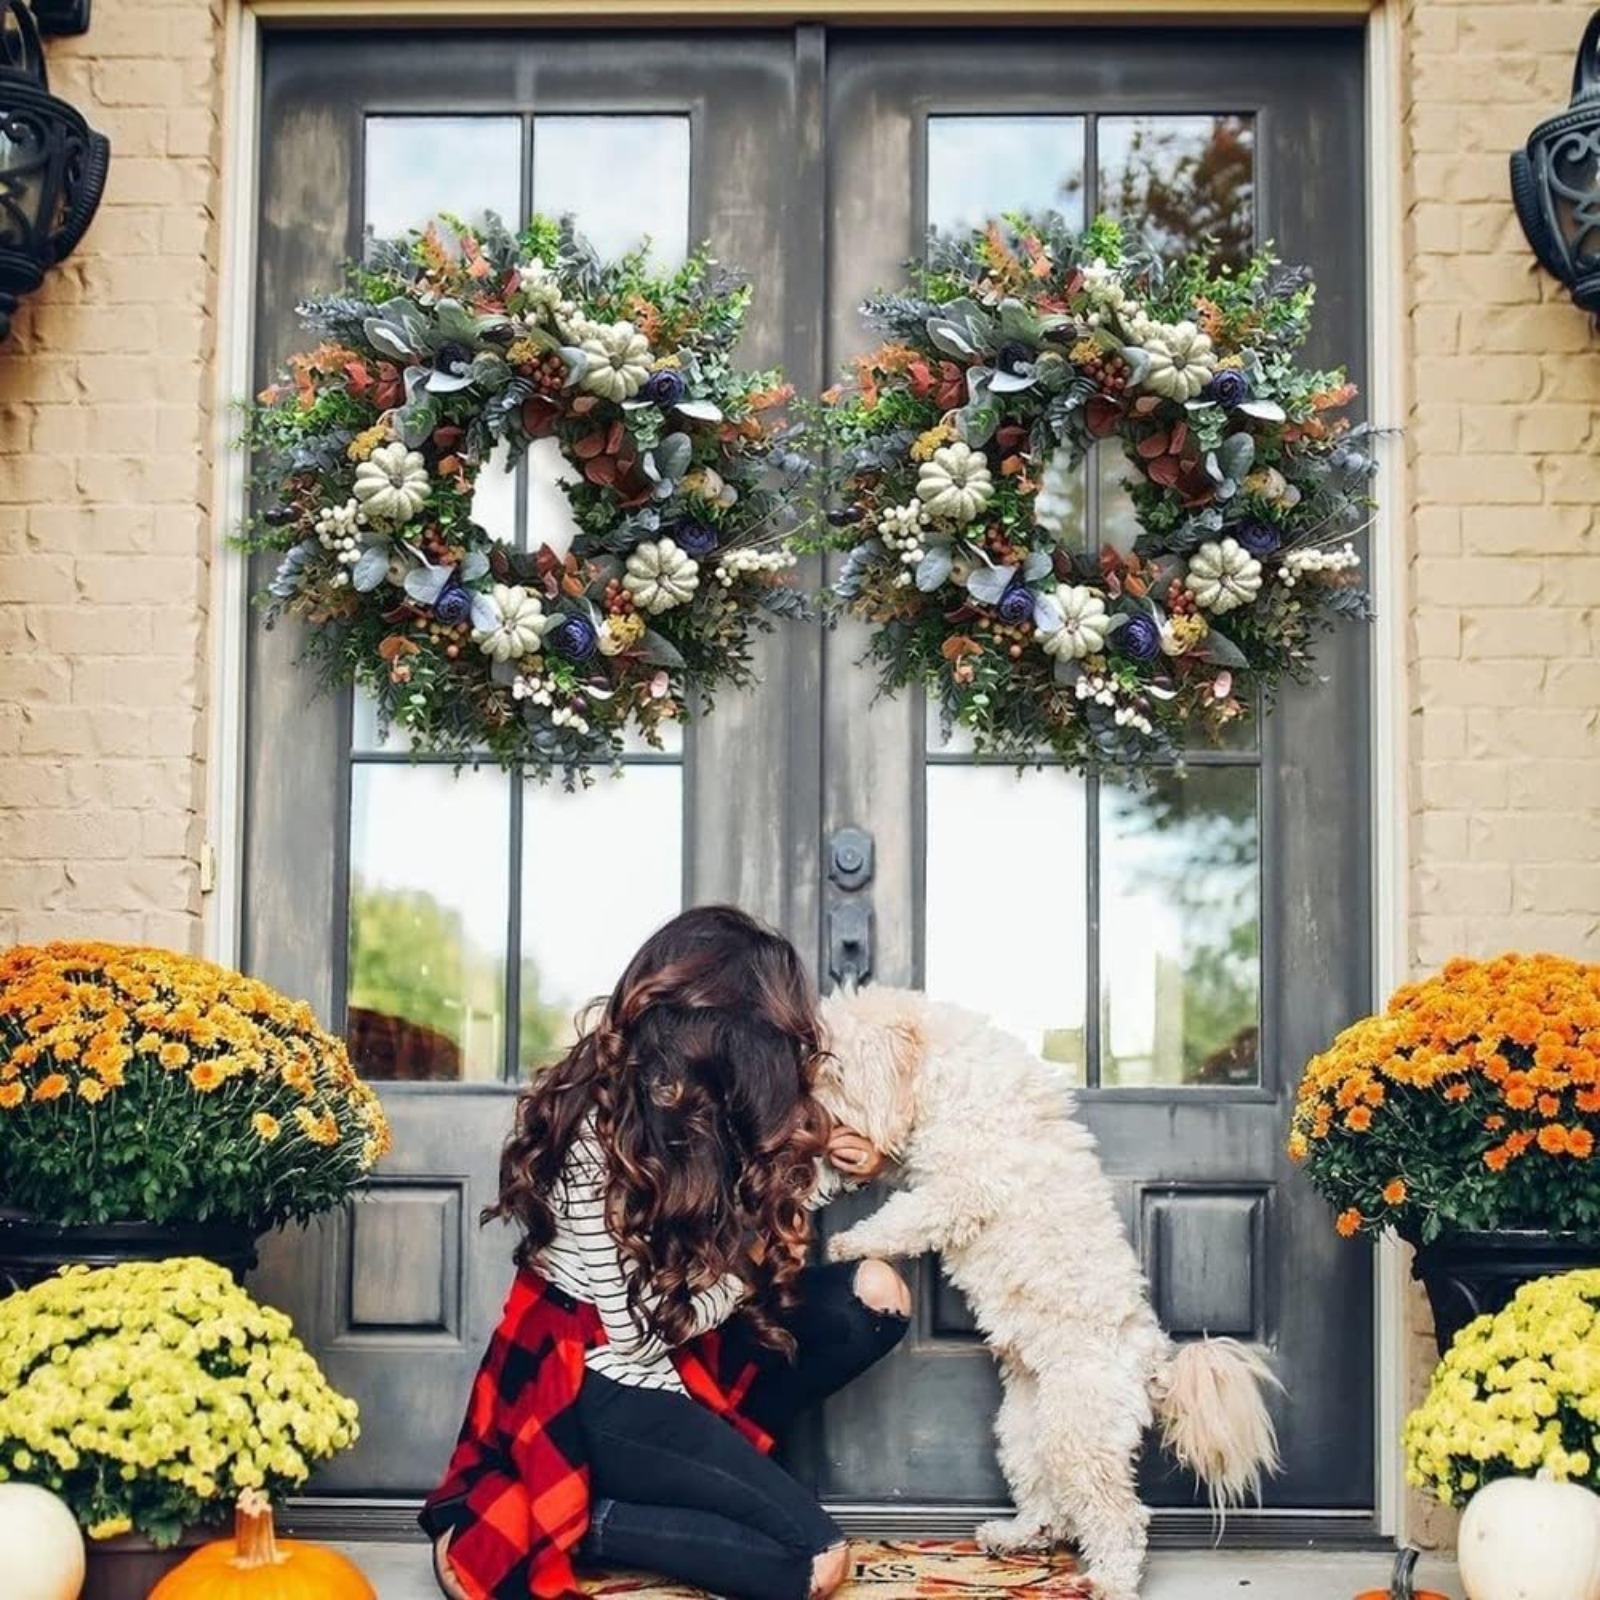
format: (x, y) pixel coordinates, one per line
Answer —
(999, 1178)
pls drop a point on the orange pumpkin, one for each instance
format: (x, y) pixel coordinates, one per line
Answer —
(256, 1565)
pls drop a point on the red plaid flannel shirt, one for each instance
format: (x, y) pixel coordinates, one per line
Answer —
(515, 1497)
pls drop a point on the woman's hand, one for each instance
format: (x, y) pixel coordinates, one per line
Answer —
(854, 1155)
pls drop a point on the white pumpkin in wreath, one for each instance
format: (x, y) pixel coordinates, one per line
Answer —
(1223, 576)
(393, 484)
(1072, 623)
(1181, 361)
(519, 627)
(619, 360)
(660, 576)
(956, 483)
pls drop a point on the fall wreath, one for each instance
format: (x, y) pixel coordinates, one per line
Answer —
(457, 342)
(1018, 347)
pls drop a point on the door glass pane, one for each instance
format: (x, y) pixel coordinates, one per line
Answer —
(625, 180)
(1180, 930)
(494, 496)
(1185, 181)
(980, 167)
(428, 918)
(1007, 936)
(418, 167)
(600, 871)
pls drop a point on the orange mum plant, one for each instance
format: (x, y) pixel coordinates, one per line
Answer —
(1472, 1102)
(139, 1085)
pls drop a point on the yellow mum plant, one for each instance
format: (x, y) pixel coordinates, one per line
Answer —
(1517, 1395)
(141, 1086)
(149, 1396)
(1472, 1102)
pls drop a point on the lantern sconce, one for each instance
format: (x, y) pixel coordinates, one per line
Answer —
(52, 164)
(1555, 182)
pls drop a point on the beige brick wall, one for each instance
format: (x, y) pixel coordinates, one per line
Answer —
(104, 505)
(1503, 430)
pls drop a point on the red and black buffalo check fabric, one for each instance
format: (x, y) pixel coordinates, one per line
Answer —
(515, 1497)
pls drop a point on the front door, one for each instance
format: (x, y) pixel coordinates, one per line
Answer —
(1202, 937)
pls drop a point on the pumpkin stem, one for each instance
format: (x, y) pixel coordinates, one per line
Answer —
(254, 1541)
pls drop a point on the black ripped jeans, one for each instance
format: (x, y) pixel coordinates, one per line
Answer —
(677, 1491)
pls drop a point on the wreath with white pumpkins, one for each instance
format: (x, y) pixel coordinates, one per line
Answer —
(957, 503)
(458, 345)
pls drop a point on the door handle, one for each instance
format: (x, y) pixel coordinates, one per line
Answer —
(850, 943)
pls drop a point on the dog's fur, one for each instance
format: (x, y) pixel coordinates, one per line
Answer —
(998, 1176)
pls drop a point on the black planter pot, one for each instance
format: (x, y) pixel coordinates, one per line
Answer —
(1469, 1274)
(128, 1567)
(31, 1251)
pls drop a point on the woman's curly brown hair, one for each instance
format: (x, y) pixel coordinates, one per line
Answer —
(698, 1073)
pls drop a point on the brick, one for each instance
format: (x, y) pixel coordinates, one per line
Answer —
(1570, 887)
(1526, 531)
(1542, 631)
(1573, 683)
(1548, 835)
(1481, 891)
(1508, 682)
(1482, 581)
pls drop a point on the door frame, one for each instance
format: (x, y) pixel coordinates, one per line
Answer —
(222, 851)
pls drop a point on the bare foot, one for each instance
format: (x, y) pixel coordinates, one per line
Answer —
(442, 1569)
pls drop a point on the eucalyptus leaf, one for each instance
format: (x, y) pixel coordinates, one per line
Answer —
(1264, 410)
(577, 364)
(416, 424)
(485, 618)
(987, 584)
(474, 565)
(698, 410)
(1138, 364)
(672, 455)
(1219, 648)
(659, 650)
(426, 584)
(1038, 565)
(370, 570)
(1236, 455)
(933, 571)
(977, 423)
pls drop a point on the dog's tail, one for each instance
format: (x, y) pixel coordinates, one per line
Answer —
(1213, 1413)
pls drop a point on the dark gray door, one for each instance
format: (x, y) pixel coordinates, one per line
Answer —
(1206, 937)
(1201, 939)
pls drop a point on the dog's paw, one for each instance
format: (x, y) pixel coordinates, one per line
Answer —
(1007, 1535)
(841, 1247)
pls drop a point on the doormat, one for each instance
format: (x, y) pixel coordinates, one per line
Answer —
(909, 1570)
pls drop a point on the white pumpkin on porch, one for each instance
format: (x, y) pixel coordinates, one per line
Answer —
(41, 1549)
(1530, 1539)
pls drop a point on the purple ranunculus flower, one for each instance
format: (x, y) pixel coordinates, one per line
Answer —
(695, 538)
(1016, 605)
(664, 388)
(574, 637)
(1259, 538)
(1139, 638)
(1230, 387)
(454, 604)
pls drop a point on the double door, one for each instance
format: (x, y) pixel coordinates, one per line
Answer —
(1180, 949)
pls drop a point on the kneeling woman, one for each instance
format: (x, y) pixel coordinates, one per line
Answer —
(664, 1326)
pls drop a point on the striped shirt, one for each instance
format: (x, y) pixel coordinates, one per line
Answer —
(585, 1260)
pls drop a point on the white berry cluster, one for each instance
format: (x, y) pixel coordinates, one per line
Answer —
(1302, 563)
(567, 717)
(740, 563)
(1102, 690)
(541, 290)
(532, 686)
(1107, 296)
(338, 530)
(901, 529)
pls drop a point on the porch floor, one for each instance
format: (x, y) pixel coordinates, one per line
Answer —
(400, 1572)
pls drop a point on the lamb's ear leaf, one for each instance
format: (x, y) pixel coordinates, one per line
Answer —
(370, 570)
(1219, 648)
(933, 571)
(659, 650)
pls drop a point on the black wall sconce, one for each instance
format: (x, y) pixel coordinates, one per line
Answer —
(1555, 182)
(52, 164)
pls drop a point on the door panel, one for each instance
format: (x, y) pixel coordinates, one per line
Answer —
(1202, 939)
(446, 919)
